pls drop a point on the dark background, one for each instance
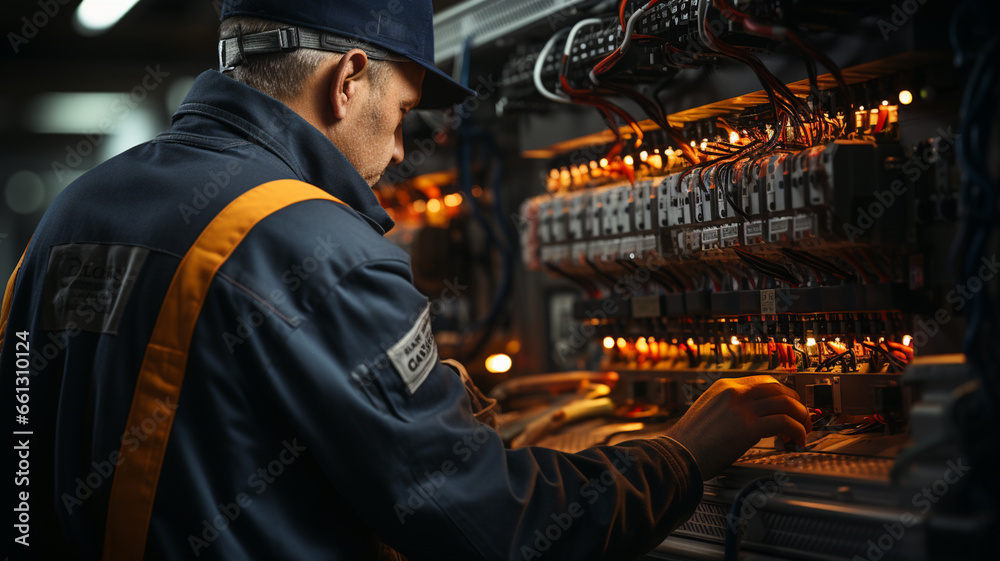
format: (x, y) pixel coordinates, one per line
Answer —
(174, 38)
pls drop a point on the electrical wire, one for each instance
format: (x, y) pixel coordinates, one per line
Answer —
(537, 73)
(735, 523)
(616, 55)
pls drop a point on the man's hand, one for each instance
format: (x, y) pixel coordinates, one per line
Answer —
(733, 415)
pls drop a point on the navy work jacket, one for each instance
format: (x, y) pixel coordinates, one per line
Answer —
(315, 419)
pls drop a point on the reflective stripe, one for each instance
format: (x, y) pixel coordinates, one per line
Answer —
(162, 374)
(8, 296)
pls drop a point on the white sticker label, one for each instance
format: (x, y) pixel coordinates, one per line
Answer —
(416, 353)
(768, 305)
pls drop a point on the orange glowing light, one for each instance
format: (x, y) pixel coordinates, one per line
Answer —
(498, 363)
(642, 346)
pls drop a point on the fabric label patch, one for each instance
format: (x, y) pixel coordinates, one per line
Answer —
(87, 285)
(416, 353)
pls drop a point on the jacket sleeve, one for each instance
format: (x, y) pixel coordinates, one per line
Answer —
(400, 443)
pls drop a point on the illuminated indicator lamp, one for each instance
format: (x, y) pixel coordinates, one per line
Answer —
(498, 363)
(694, 144)
(811, 342)
(642, 346)
(433, 205)
(621, 343)
(907, 340)
(885, 102)
(862, 108)
(643, 155)
(604, 162)
(734, 137)
(734, 341)
(609, 343)
(704, 144)
(629, 160)
(905, 97)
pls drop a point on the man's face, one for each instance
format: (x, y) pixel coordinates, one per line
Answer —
(376, 133)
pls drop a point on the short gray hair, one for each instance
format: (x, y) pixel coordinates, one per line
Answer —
(283, 75)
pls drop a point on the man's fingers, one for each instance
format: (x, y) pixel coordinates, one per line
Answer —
(768, 386)
(782, 405)
(773, 425)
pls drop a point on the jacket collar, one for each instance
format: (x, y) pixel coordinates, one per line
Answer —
(270, 124)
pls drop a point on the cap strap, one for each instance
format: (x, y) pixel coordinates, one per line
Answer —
(232, 51)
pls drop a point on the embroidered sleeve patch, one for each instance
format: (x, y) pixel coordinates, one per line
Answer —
(87, 285)
(416, 353)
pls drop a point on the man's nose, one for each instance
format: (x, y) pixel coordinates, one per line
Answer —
(397, 149)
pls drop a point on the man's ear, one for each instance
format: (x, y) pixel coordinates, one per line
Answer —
(347, 84)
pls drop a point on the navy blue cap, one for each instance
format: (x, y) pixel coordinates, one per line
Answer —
(404, 27)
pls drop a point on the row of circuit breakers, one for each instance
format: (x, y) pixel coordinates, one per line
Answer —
(784, 197)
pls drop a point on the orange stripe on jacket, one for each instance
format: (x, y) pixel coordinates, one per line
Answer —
(162, 373)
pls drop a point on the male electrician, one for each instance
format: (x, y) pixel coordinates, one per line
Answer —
(213, 320)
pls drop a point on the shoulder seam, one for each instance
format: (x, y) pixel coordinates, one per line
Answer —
(258, 298)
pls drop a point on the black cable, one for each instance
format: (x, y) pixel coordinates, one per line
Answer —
(735, 522)
(891, 360)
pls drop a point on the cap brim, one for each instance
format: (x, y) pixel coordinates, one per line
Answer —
(440, 91)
